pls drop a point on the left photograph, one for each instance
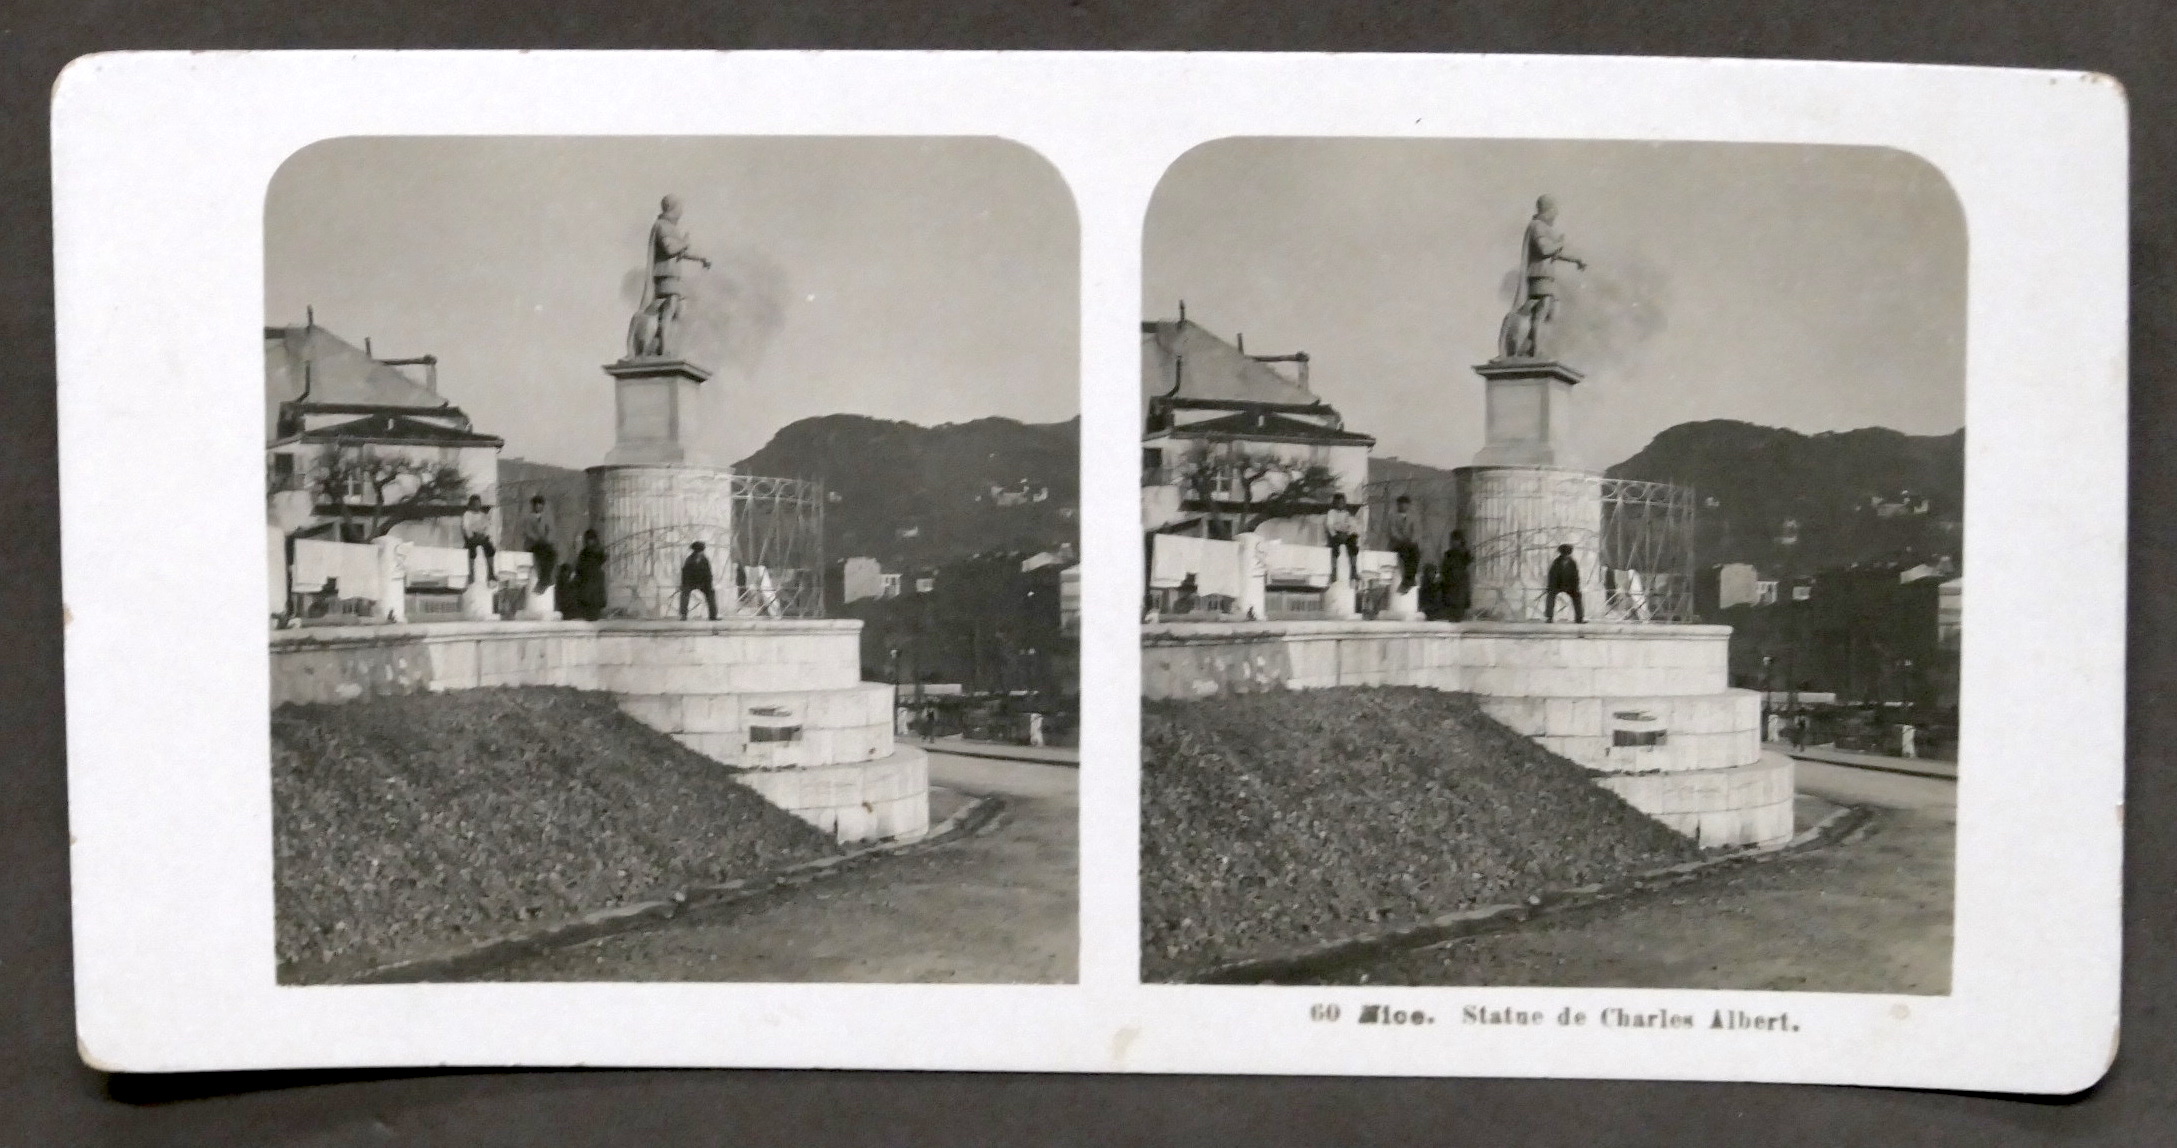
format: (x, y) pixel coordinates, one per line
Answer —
(673, 560)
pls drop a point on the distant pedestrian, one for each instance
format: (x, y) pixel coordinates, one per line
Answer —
(537, 537)
(1343, 526)
(1799, 731)
(695, 578)
(1405, 542)
(1564, 579)
(589, 579)
(1907, 740)
(476, 535)
(1035, 729)
(1187, 596)
(1458, 576)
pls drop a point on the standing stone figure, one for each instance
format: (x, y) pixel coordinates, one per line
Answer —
(1536, 305)
(653, 333)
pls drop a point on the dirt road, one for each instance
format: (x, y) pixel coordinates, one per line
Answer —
(1000, 907)
(1872, 914)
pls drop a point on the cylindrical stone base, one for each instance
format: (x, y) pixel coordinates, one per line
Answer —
(1515, 518)
(646, 517)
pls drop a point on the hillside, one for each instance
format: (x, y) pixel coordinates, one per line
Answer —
(1755, 482)
(1275, 822)
(909, 495)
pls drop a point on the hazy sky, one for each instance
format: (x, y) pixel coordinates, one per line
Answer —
(1806, 287)
(927, 280)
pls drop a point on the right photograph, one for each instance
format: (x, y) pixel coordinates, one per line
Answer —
(1553, 563)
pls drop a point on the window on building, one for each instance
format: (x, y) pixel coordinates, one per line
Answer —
(283, 470)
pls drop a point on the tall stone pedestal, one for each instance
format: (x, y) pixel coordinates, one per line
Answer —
(657, 412)
(656, 494)
(1530, 413)
(1524, 496)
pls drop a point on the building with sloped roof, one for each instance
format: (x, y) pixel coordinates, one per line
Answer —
(1228, 435)
(326, 397)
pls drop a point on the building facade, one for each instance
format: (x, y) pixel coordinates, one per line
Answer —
(1233, 442)
(359, 447)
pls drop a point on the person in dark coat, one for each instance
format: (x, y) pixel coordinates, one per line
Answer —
(589, 578)
(695, 578)
(1405, 542)
(537, 536)
(1458, 576)
(1564, 579)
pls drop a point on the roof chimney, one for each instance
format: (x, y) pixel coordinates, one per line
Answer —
(367, 352)
(309, 318)
(1242, 337)
(1182, 310)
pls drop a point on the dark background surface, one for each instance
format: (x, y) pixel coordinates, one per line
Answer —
(48, 1097)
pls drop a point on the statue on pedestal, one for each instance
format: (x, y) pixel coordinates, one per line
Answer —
(1534, 307)
(653, 332)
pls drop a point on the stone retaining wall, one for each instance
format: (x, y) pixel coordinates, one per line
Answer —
(782, 698)
(1648, 705)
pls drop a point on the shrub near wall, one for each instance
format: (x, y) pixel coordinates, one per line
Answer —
(408, 825)
(1274, 822)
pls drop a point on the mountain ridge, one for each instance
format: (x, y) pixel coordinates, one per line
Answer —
(1793, 503)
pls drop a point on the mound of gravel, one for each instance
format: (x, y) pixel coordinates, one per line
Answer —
(403, 826)
(1273, 822)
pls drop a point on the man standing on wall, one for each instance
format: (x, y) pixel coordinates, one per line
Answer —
(1405, 542)
(476, 535)
(1564, 579)
(1457, 573)
(1344, 528)
(695, 578)
(537, 537)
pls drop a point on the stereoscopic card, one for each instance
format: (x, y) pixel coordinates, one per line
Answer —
(1368, 565)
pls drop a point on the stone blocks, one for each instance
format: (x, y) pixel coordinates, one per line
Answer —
(1707, 731)
(1505, 659)
(1735, 805)
(864, 801)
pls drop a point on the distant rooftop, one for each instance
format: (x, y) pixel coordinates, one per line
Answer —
(1181, 352)
(338, 372)
(386, 427)
(1268, 426)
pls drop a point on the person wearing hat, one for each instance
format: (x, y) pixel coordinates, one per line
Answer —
(1405, 542)
(695, 577)
(476, 535)
(1458, 576)
(1342, 525)
(588, 584)
(1564, 579)
(537, 539)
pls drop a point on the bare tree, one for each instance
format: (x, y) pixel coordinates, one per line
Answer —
(1245, 486)
(397, 487)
